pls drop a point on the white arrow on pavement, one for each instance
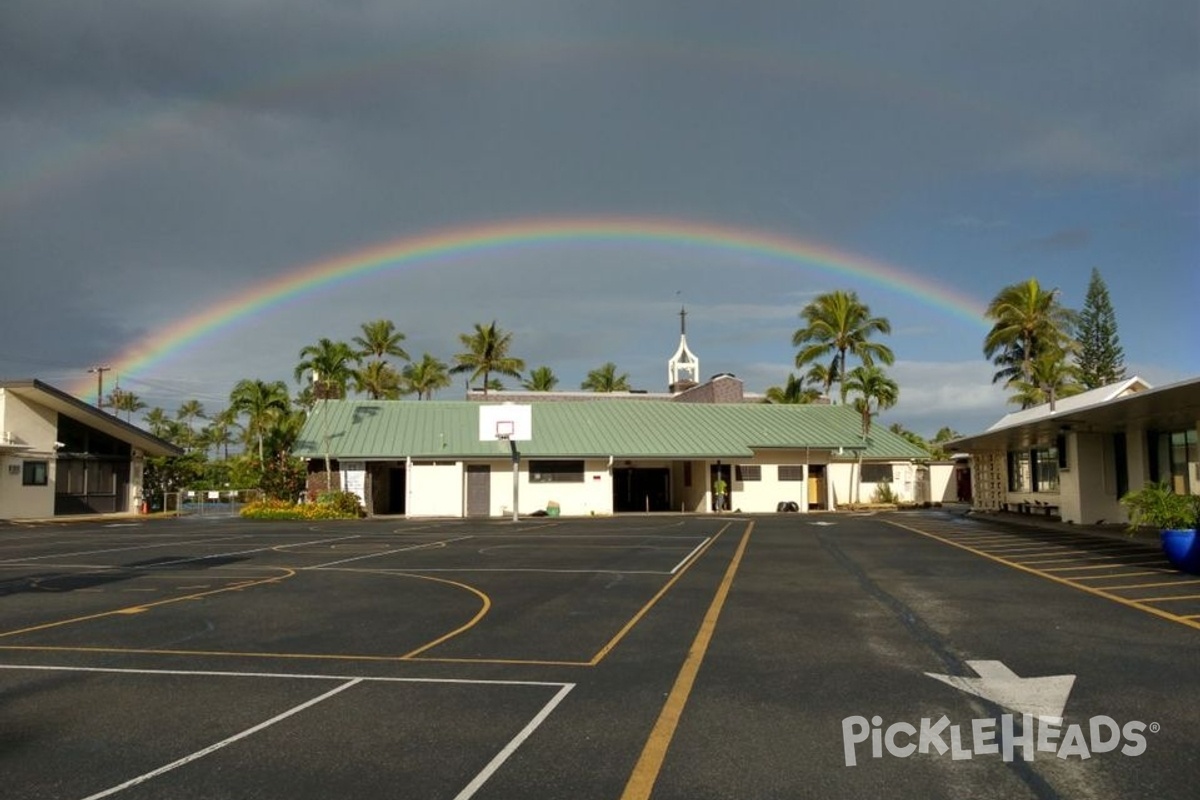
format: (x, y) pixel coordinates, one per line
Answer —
(1044, 698)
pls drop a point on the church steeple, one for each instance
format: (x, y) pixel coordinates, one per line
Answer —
(683, 370)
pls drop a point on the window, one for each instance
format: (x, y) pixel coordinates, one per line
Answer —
(556, 472)
(1046, 469)
(877, 473)
(35, 473)
(1020, 477)
(1033, 470)
(1173, 458)
(749, 472)
(791, 472)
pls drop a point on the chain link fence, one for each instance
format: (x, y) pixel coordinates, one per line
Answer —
(209, 502)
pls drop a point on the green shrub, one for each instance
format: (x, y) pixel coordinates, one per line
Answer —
(884, 495)
(337, 508)
(344, 502)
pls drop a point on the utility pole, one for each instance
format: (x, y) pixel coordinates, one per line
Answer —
(99, 383)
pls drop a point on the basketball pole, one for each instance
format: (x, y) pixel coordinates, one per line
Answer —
(516, 460)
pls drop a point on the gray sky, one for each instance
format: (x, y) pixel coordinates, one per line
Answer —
(159, 160)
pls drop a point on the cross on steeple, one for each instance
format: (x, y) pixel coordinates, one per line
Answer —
(683, 370)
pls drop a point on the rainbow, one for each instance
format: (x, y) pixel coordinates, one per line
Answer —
(489, 239)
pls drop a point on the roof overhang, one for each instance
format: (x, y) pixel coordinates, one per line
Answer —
(43, 394)
(1172, 407)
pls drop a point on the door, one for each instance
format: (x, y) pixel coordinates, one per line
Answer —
(479, 490)
(397, 490)
(816, 487)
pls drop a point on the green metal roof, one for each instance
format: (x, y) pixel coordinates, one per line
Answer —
(377, 429)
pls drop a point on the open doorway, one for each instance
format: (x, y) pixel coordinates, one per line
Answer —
(817, 487)
(723, 473)
(397, 483)
(641, 489)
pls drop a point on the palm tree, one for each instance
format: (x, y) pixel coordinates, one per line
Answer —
(157, 421)
(378, 380)
(1029, 321)
(329, 362)
(606, 379)
(187, 413)
(541, 379)
(793, 392)
(839, 323)
(219, 433)
(1051, 377)
(262, 403)
(876, 392)
(380, 339)
(825, 375)
(487, 352)
(121, 400)
(425, 377)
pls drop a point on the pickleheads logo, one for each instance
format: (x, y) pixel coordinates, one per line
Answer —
(1041, 700)
(983, 737)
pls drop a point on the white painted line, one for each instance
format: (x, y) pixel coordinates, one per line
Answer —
(212, 748)
(477, 783)
(410, 548)
(121, 549)
(196, 673)
(688, 557)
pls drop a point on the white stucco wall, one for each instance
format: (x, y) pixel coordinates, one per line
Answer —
(35, 427)
(591, 497)
(847, 490)
(764, 495)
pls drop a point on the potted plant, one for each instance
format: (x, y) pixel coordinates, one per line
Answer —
(1174, 515)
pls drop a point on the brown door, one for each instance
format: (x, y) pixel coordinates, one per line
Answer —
(479, 490)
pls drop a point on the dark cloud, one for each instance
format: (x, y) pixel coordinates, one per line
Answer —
(159, 158)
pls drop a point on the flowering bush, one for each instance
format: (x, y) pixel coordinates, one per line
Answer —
(337, 508)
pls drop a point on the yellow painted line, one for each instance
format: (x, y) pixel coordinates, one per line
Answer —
(1112, 565)
(649, 764)
(1056, 579)
(133, 610)
(1166, 599)
(487, 604)
(1067, 558)
(71, 621)
(1149, 585)
(615, 640)
(1117, 575)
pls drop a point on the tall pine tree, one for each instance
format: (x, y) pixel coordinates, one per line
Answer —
(1100, 359)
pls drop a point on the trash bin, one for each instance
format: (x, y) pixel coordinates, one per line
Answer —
(552, 509)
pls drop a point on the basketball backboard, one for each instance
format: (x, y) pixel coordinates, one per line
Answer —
(505, 422)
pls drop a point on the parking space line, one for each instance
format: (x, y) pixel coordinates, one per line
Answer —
(1050, 575)
(1149, 585)
(1166, 599)
(1126, 563)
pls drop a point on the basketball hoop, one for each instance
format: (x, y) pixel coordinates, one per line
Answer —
(505, 429)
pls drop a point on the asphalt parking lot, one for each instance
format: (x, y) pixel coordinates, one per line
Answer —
(666, 656)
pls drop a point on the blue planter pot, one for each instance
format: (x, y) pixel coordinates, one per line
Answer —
(1182, 548)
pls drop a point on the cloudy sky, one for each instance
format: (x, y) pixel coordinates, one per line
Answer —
(161, 161)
